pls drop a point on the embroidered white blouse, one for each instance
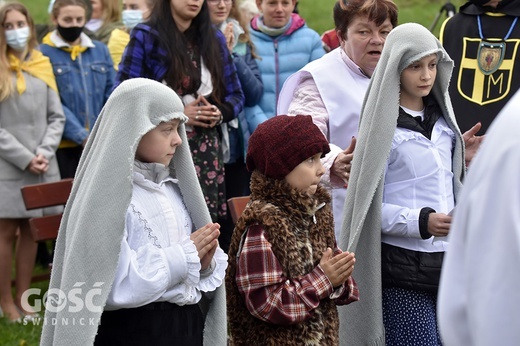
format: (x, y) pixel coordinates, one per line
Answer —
(418, 174)
(158, 260)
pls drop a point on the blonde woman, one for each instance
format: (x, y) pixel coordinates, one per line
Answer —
(31, 125)
(106, 16)
(134, 12)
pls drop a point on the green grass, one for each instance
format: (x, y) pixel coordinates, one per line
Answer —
(37, 9)
(318, 13)
(15, 334)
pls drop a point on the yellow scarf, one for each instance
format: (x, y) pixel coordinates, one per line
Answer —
(73, 50)
(38, 65)
(116, 45)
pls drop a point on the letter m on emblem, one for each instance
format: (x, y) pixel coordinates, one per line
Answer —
(474, 85)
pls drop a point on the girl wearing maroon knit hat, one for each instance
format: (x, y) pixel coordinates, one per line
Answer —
(286, 274)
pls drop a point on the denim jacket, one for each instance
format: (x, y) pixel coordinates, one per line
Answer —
(84, 84)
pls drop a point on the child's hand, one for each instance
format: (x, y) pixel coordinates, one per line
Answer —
(439, 224)
(338, 268)
(205, 240)
(206, 260)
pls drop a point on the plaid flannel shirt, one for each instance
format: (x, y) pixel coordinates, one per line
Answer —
(144, 57)
(274, 298)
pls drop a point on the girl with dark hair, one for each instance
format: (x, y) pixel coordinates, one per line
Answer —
(227, 17)
(403, 188)
(180, 47)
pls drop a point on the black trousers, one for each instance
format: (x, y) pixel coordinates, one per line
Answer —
(153, 324)
(68, 160)
(237, 184)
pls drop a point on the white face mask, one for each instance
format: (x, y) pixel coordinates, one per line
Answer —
(132, 17)
(17, 38)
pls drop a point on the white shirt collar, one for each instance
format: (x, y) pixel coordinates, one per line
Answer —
(85, 41)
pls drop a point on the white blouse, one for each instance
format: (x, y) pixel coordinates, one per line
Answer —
(418, 174)
(158, 261)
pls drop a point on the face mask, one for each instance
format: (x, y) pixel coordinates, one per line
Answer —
(17, 38)
(70, 34)
(132, 17)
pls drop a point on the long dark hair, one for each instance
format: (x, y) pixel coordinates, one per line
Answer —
(202, 34)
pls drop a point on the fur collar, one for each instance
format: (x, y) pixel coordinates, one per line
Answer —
(299, 227)
(280, 194)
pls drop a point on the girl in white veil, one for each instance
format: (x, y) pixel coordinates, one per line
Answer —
(406, 174)
(137, 232)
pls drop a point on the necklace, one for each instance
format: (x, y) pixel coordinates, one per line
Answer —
(491, 53)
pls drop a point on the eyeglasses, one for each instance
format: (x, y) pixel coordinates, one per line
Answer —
(216, 2)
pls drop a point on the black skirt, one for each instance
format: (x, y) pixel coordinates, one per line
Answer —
(153, 324)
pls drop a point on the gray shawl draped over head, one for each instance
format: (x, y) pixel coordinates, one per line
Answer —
(92, 228)
(362, 322)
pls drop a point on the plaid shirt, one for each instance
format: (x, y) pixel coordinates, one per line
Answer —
(144, 57)
(274, 298)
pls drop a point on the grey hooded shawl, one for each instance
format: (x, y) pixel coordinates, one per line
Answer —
(92, 228)
(362, 322)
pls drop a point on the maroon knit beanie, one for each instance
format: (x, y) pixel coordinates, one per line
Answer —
(281, 143)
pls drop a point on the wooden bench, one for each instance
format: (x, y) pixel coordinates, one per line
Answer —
(41, 196)
(236, 206)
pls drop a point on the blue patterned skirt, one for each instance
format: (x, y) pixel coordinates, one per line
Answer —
(410, 317)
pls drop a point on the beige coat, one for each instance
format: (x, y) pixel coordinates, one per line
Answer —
(30, 124)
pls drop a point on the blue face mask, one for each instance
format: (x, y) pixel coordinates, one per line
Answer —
(17, 38)
(132, 17)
